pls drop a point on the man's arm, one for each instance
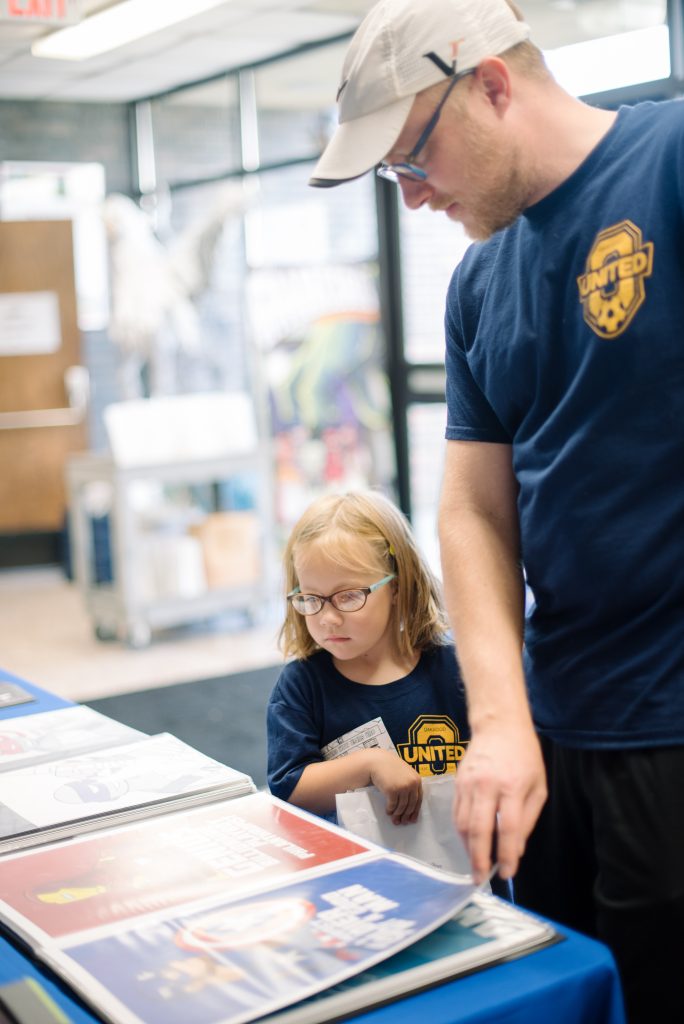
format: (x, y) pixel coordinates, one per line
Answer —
(502, 772)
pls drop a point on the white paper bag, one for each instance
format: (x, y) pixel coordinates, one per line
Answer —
(432, 839)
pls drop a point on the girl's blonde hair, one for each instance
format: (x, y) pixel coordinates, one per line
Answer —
(338, 522)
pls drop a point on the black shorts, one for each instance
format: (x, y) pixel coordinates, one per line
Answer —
(607, 858)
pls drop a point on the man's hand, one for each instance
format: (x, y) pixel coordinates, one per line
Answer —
(500, 790)
(400, 785)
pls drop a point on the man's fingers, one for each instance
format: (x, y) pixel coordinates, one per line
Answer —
(476, 821)
(495, 821)
(510, 842)
(515, 821)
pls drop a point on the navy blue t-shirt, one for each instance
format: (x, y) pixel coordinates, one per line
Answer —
(313, 704)
(565, 340)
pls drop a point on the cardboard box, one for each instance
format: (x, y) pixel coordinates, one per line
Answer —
(231, 548)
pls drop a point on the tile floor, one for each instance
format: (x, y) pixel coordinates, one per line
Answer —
(47, 638)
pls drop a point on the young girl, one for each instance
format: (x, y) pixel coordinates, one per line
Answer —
(366, 628)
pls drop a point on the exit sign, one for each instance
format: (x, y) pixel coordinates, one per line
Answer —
(52, 12)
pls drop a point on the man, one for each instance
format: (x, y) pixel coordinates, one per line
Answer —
(565, 393)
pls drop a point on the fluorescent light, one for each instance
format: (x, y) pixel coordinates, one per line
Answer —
(117, 26)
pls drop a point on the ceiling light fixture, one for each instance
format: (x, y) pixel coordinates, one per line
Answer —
(116, 26)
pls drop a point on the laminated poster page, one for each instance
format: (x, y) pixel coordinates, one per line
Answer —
(221, 914)
(95, 789)
(49, 735)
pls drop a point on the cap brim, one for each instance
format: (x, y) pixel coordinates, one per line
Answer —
(360, 144)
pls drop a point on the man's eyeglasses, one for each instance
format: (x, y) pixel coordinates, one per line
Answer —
(343, 600)
(408, 167)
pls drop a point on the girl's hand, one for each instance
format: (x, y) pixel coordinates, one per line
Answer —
(400, 785)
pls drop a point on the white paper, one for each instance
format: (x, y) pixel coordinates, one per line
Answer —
(370, 734)
(29, 324)
(432, 839)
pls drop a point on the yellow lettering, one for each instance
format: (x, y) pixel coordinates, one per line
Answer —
(627, 266)
(617, 270)
(431, 752)
(642, 261)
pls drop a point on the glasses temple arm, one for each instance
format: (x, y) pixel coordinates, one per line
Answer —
(382, 582)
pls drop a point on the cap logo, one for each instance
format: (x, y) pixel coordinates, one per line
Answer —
(442, 65)
(445, 68)
(454, 48)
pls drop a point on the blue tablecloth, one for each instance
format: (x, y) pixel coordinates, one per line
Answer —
(44, 701)
(573, 982)
(14, 965)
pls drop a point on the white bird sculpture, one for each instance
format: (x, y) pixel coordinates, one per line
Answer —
(154, 288)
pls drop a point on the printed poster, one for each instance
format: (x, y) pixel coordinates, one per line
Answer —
(239, 960)
(117, 875)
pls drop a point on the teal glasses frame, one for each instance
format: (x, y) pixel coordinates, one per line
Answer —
(312, 604)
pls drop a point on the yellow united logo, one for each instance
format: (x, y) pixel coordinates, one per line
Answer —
(612, 288)
(434, 745)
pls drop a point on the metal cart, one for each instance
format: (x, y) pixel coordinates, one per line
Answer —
(123, 607)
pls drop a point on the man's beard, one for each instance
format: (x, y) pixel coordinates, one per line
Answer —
(497, 191)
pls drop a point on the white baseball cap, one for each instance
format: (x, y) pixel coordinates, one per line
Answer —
(400, 48)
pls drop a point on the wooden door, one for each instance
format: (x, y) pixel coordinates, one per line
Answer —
(36, 273)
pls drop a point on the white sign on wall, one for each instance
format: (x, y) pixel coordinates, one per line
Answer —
(29, 323)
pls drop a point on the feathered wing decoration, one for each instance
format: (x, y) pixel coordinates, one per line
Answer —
(154, 287)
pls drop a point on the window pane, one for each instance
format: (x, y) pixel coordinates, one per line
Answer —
(602, 45)
(426, 423)
(612, 63)
(562, 22)
(314, 318)
(197, 132)
(296, 103)
(292, 224)
(431, 247)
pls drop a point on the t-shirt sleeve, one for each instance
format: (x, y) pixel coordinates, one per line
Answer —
(293, 737)
(470, 417)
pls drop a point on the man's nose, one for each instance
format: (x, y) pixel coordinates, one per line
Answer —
(414, 193)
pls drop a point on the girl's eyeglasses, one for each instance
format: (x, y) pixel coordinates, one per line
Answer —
(343, 600)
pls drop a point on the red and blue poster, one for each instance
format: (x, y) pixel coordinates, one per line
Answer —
(238, 960)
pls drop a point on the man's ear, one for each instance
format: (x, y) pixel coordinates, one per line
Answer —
(494, 78)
